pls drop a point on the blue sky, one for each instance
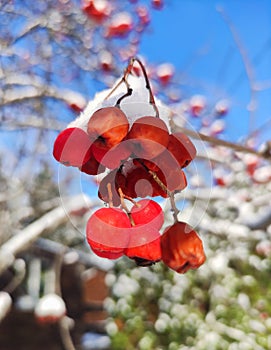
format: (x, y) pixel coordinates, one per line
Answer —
(194, 36)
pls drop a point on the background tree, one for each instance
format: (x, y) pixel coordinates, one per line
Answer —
(54, 56)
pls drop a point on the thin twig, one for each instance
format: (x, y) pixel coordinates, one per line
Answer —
(124, 207)
(128, 93)
(127, 71)
(148, 86)
(258, 130)
(114, 89)
(36, 24)
(218, 142)
(129, 89)
(57, 269)
(46, 247)
(110, 195)
(64, 330)
(20, 272)
(248, 66)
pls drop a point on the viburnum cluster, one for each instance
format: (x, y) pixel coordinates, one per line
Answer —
(140, 159)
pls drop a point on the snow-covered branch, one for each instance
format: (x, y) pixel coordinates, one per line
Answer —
(48, 222)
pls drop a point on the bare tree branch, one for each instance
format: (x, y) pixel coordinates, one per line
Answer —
(252, 106)
(48, 222)
(32, 122)
(215, 141)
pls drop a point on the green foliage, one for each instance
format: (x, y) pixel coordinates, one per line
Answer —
(223, 305)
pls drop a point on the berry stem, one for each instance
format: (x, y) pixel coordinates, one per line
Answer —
(129, 92)
(110, 195)
(174, 209)
(159, 182)
(155, 177)
(131, 200)
(127, 71)
(124, 207)
(148, 85)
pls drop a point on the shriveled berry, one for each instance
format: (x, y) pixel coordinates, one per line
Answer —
(182, 248)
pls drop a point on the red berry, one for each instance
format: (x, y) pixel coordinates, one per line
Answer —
(108, 126)
(167, 169)
(75, 101)
(92, 167)
(182, 248)
(147, 211)
(174, 179)
(109, 187)
(217, 127)
(149, 164)
(197, 105)
(143, 14)
(72, 147)
(111, 157)
(108, 231)
(98, 10)
(222, 108)
(76, 107)
(106, 254)
(251, 162)
(157, 4)
(220, 181)
(149, 136)
(50, 309)
(181, 148)
(139, 182)
(144, 244)
(165, 73)
(120, 25)
(106, 61)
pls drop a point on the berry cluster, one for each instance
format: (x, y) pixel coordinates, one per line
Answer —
(141, 159)
(119, 24)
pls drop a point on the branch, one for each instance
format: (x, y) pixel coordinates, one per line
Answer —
(219, 142)
(248, 67)
(29, 28)
(32, 123)
(5, 304)
(21, 88)
(64, 330)
(47, 247)
(47, 222)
